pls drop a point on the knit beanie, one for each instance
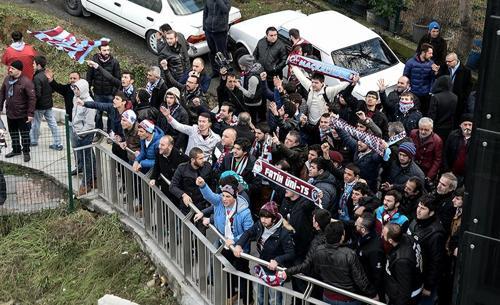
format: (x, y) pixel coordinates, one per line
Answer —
(17, 64)
(335, 156)
(230, 189)
(408, 148)
(130, 116)
(270, 208)
(434, 25)
(175, 92)
(147, 125)
(246, 61)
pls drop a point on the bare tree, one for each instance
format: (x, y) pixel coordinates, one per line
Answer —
(466, 34)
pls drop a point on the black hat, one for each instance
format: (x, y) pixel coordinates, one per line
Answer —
(466, 117)
(17, 64)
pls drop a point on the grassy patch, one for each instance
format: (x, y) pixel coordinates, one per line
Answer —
(23, 18)
(56, 258)
(254, 8)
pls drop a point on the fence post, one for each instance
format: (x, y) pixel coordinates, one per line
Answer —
(71, 204)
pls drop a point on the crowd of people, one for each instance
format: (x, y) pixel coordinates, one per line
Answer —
(387, 227)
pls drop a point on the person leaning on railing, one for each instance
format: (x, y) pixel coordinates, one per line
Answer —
(231, 217)
(336, 265)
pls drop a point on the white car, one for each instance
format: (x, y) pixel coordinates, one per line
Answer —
(144, 18)
(335, 38)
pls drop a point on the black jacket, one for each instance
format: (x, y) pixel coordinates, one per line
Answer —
(216, 15)
(117, 82)
(146, 111)
(462, 87)
(67, 94)
(272, 56)
(446, 210)
(250, 178)
(442, 107)
(439, 47)
(295, 156)
(326, 183)
(372, 258)
(183, 181)
(398, 175)
(391, 109)
(430, 235)
(451, 147)
(378, 117)
(278, 246)
(167, 166)
(234, 97)
(298, 213)
(99, 83)
(158, 94)
(403, 274)
(180, 115)
(336, 265)
(43, 91)
(178, 61)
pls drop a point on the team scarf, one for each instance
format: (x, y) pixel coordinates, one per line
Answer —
(374, 143)
(343, 210)
(233, 122)
(238, 167)
(10, 91)
(269, 279)
(263, 151)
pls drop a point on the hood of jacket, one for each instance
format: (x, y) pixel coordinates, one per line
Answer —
(83, 86)
(326, 177)
(241, 204)
(18, 46)
(442, 84)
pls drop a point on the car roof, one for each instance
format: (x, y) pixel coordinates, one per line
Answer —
(330, 30)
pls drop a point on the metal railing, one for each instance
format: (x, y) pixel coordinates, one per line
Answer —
(196, 255)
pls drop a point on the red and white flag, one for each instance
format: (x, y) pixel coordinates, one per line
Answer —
(63, 40)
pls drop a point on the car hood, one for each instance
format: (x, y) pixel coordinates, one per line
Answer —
(369, 82)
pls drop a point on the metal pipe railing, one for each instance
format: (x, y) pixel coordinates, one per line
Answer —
(249, 257)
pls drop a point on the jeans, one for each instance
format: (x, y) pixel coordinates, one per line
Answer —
(51, 121)
(275, 297)
(85, 157)
(19, 132)
(98, 116)
(335, 302)
(217, 42)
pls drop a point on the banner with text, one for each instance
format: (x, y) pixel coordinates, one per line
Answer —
(286, 180)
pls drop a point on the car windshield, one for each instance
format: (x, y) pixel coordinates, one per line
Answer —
(186, 7)
(366, 58)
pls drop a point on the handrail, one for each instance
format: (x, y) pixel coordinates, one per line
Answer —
(246, 256)
(105, 134)
(260, 261)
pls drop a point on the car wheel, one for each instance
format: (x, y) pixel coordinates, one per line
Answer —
(151, 41)
(73, 7)
(238, 54)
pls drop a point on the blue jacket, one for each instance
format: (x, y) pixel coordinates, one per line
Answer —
(148, 155)
(242, 218)
(397, 218)
(420, 74)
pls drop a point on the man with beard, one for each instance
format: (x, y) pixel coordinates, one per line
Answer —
(64, 90)
(229, 92)
(102, 88)
(320, 177)
(200, 135)
(241, 162)
(171, 103)
(457, 146)
(412, 190)
(370, 252)
(390, 101)
(388, 212)
(403, 273)
(403, 168)
(262, 145)
(251, 87)
(125, 84)
(427, 230)
(183, 186)
(291, 150)
(444, 197)
(198, 69)
(192, 98)
(429, 148)
(168, 158)
(271, 53)
(274, 244)
(176, 62)
(421, 71)
(438, 43)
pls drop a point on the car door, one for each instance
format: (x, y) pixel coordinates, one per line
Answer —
(141, 15)
(110, 10)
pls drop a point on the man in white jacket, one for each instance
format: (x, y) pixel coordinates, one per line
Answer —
(319, 95)
(83, 119)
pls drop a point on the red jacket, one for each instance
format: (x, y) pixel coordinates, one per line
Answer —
(429, 153)
(26, 55)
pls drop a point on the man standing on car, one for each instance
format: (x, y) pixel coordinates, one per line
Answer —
(271, 54)
(215, 25)
(102, 87)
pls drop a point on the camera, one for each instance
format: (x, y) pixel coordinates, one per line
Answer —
(223, 62)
